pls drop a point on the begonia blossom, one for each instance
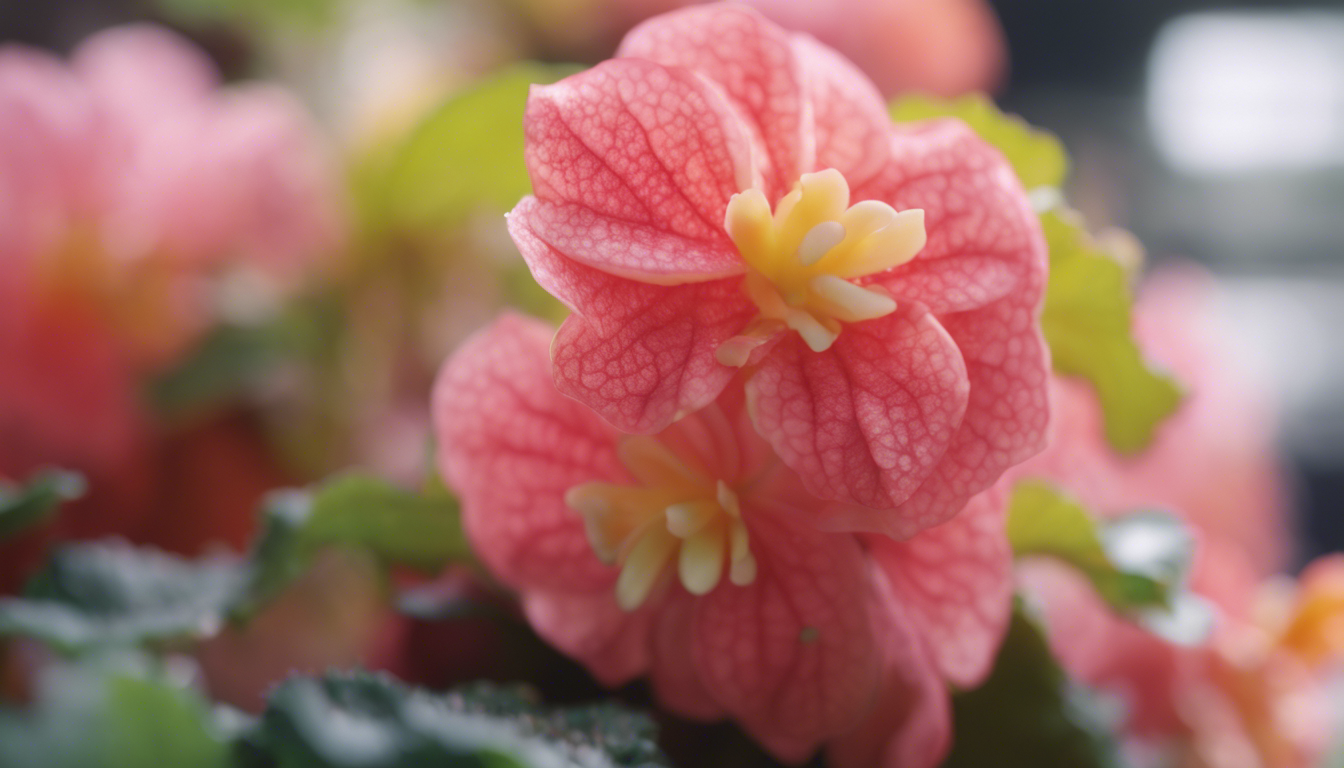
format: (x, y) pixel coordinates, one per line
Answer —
(725, 198)
(689, 555)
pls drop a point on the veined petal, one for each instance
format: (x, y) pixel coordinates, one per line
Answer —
(868, 420)
(638, 354)
(754, 63)
(983, 239)
(612, 643)
(849, 116)
(792, 655)
(512, 447)
(635, 156)
(674, 674)
(955, 584)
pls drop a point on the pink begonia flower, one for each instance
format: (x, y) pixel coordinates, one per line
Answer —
(1212, 462)
(689, 556)
(725, 196)
(130, 176)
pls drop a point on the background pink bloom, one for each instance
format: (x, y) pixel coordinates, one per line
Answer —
(635, 163)
(828, 624)
(128, 176)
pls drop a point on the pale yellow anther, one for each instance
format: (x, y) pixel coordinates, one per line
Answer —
(676, 512)
(802, 259)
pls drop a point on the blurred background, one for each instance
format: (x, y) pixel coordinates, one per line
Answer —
(1214, 131)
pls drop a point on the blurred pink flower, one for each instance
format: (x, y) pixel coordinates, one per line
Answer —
(129, 175)
(690, 556)
(725, 195)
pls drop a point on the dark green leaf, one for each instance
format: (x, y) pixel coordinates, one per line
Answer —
(109, 594)
(359, 720)
(1037, 157)
(1028, 713)
(1087, 324)
(26, 505)
(111, 713)
(1135, 562)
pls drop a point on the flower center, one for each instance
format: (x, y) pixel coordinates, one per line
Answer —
(802, 260)
(678, 510)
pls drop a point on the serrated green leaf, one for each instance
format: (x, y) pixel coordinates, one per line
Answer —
(22, 506)
(123, 712)
(113, 594)
(360, 720)
(468, 153)
(1037, 157)
(1136, 562)
(1028, 713)
(1086, 321)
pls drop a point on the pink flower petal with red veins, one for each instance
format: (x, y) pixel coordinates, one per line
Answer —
(637, 163)
(675, 678)
(852, 129)
(984, 241)
(1008, 413)
(869, 419)
(792, 655)
(589, 627)
(755, 64)
(639, 354)
(140, 71)
(910, 725)
(954, 581)
(511, 446)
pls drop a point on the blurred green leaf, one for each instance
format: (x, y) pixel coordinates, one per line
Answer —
(1086, 321)
(219, 367)
(1135, 562)
(112, 594)
(1037, 157)
(123, 712)
(468, 153)
(1028, 713)
(360, 720)
(22, 506)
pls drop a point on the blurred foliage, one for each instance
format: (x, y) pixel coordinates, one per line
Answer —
(1086, 319)
(1137, 561)
(1037, 156)
(1087, 324)
(120, 711)
(22, 506)
(111, 593)
(263, 13)
(359, 720)
(1028, 714)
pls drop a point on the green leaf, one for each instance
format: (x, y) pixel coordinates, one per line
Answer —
(26, 505)
(1086, 321)
(1038, 157)
(1028, 713)
(1136, 562)
(360, 720)
(223, 364)
(121, 712)
(110, 594)
(468, 153)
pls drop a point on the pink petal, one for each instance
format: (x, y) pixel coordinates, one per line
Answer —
(852, 129)
(647, 158)
(1008, 413)
(511, 446)
(639, 354)
(613, 644)
(754, 62)
(954, 582)
(866, 421)
(984, 241)
(792, 655)
(142, 71)
(674, 675)
(910, 725)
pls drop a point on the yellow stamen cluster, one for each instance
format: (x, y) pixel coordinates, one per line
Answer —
(678, 510)
(803, 258)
